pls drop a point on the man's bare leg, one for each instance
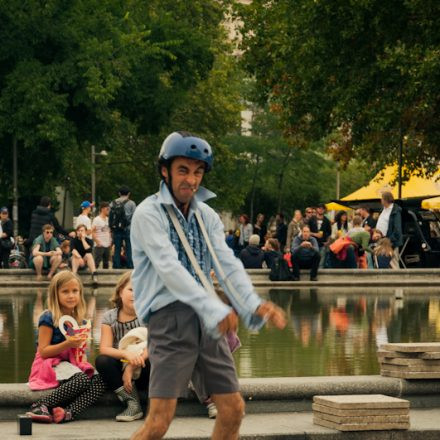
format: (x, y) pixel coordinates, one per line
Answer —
(55, 261)
(230, 408)
(38, 264)
(160, 414)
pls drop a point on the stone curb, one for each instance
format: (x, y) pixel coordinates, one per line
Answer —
(262, 395)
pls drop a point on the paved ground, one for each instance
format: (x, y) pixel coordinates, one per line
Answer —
(425, 425)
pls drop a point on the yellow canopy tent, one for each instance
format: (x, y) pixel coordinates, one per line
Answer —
(433, 203)
(332, 206)
(415, 186)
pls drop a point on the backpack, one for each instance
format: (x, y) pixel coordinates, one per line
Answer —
(280, 270)
(117, 218)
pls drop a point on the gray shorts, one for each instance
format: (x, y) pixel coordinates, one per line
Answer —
(178, 346)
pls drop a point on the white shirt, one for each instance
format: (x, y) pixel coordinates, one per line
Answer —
(84, 220)
(384, 219)
(102, 231)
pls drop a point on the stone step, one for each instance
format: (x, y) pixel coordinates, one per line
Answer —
(260, 278)
(263, 395)
(274, 426)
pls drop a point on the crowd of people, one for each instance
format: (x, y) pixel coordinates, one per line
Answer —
(92, 243)
(360, 239)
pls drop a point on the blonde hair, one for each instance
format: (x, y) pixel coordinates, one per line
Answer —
(53, 303)
(116, 300)
(384, 247)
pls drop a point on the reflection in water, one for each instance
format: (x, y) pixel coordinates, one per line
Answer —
(328, 332)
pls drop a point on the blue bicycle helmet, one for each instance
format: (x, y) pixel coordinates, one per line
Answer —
(184, 144)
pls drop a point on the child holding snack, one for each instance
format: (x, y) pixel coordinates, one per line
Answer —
(60, 360)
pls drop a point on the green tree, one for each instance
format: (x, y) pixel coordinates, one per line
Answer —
(368, 67)
(108, 73)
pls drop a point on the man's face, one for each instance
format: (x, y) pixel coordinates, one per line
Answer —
(186, 176)
(384, 203)
(320, 210)
(81, 232)
(3, 215)
(106, 211)
(309, 212)
(306, 233)
(48, 234)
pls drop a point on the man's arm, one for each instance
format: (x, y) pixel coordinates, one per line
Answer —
(296, 244)
(396, 236)
(253, 311)
(57, 226)
(149, 232)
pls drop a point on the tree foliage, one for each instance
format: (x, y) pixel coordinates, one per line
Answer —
(364, 70)
(106, 73)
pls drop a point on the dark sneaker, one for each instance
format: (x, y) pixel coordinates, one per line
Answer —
(40, 413)
(313, 278)
(295, 279)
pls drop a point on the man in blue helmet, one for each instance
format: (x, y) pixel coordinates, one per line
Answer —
(186, 324)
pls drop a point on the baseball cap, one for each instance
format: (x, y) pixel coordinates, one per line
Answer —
(4, 209)
(86, 204)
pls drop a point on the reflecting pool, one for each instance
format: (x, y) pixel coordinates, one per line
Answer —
(329, 331)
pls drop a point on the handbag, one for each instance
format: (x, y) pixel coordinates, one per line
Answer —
(6, 244)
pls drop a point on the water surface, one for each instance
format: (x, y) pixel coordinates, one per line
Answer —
(329, 332)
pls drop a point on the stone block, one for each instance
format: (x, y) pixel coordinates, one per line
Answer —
(409, 374)
(359, 412)
(412, 362)
(395, 354)
(363, 419)
(360, 426)
(430, 355)
(410, 368)
(361, 401)
(412, 347)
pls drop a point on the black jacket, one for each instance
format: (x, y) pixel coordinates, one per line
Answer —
(41, 216)
(281, 234)
(270, 257)
(8, 228)
(252, 257)
(394, 232)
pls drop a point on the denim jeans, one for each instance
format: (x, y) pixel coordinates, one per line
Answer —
(119, 237)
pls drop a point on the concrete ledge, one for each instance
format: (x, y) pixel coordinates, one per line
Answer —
(260, 278)
(263, 395)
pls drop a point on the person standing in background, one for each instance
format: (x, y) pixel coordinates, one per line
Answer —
(6, 233)
(121, 213)
(102, 236)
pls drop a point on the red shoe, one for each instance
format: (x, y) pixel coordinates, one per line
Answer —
(61, 415)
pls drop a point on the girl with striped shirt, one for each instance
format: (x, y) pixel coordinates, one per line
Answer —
(116, 323)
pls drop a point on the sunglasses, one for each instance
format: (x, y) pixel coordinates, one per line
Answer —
(48, 232)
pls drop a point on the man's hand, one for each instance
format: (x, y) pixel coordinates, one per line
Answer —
(229, 323)
(272, 313)
(306, 244)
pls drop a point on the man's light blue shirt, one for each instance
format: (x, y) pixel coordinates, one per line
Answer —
(159, 278)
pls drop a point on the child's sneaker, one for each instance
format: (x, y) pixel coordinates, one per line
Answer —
(61, 415)
(212, 410)
(40, 413)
